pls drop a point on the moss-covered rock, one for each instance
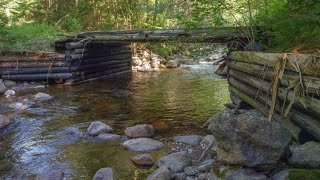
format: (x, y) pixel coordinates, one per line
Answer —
(304, 174)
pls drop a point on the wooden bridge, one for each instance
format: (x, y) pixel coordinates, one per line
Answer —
(106, 54)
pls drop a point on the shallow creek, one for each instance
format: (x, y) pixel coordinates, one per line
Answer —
(175, 102)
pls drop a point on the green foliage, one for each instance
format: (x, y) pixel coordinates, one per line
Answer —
(164, 50)
(27, 37)
(298, 174)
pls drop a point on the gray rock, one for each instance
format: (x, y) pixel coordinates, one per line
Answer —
(136, 61)
(4, 121)
(206, 165)
(111, 137)
(143, 130)
(191, 140)
(74, 131)
(173, 63)
(143, 160)
(104, 174)
(176, 162)
(162, 173)
(97, 128)
(10, 92)
(249, 139)
(40, 87)
(50, 175)
(19, 106)
(306, 155)
(145, 67)
(282, 175)
(9, 83)
(179, 176)
(244, 174)
(143, 144)
(3, 88)
(190, 178)
(43, 97)
(191, 171)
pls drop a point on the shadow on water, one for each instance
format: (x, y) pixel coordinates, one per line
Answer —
(175, 102)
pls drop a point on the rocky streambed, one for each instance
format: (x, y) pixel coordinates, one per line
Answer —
(48, 132)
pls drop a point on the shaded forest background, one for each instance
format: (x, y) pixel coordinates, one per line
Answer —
(35, 24)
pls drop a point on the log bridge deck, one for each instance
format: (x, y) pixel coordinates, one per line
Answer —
(89, 56)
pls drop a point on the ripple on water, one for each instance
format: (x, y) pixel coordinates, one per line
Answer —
(175, 102)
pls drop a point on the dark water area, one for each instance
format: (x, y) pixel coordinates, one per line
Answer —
(175, 102)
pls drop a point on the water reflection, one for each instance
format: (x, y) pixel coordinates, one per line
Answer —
(174, 101)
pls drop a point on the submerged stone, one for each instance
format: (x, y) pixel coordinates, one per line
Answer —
(142, 130)
(162, 173)
(97, 128)
(104, 174)
(4, 121)
(143, 160)
(111, 137)
(143, 144)
(191, 140)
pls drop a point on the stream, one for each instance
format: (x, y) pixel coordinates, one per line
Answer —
(175, 101)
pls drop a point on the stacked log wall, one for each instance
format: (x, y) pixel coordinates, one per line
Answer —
(81, 62)
(252, 78)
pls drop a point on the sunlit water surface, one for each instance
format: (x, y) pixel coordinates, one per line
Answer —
(175, 102)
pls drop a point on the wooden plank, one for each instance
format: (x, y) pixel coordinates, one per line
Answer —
(82, 67)
(33, 77)
(14, 71)
(307, 63)
(312, 84)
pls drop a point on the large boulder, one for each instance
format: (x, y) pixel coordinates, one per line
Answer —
(163, 173)
(104, 174)
(143, 144)
(191, 140)
(306, 155)
(4, 121)
(143, 130)
(176, 162)
(97, 128)
(249, 139)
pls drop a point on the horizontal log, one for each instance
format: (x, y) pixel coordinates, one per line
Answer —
(101, 69)
(79, 43)
(100, 50)
(109, 76)
(310, 105)
(88, 55)
(32, 64)
(312, 84)
(307, 63)
(89, 76)
(45, 57)
(13, 71)
(33, 77)
(307, 123)
(106, 63)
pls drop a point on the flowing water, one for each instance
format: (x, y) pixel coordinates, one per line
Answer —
(175, 102)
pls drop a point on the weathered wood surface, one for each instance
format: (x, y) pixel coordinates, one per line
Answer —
(303, 103)
(307, 64)
(14, 71)
(33, 64)
(104, 63)
(32, 77)
(106, 55)
(260, 103)
(109, 76)
(311, 84)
